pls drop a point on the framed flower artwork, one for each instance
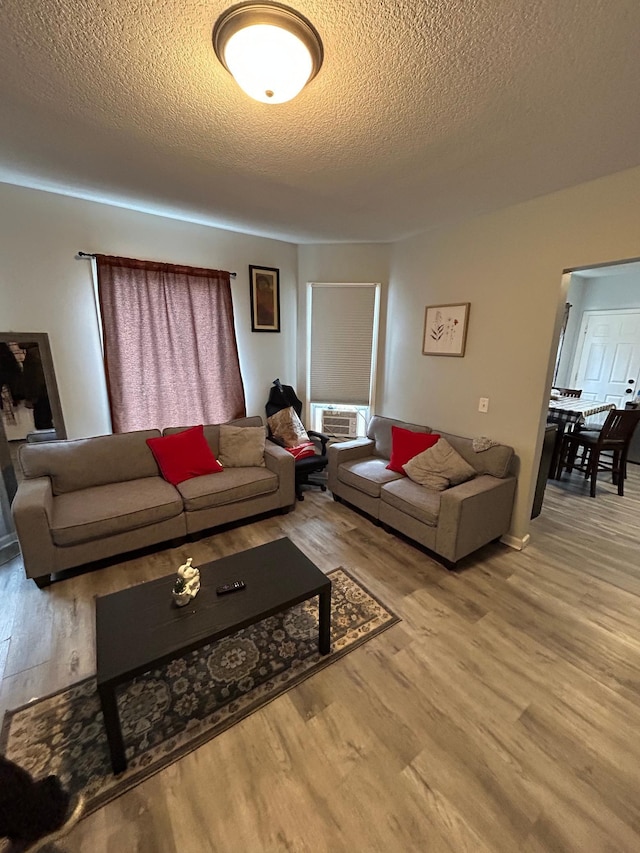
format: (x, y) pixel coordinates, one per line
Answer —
(445, 329)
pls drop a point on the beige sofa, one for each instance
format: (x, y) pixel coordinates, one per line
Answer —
(91, 498)
(451, 523)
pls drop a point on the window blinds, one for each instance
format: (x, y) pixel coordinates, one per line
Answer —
(342, 335)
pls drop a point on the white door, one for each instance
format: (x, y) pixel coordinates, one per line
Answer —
(607, 364)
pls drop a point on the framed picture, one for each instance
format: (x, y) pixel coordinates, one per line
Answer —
(265, 299)
(445, 329)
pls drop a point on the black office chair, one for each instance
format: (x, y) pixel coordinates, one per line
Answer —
(282, 397)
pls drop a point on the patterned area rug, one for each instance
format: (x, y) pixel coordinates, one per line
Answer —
(171, 711)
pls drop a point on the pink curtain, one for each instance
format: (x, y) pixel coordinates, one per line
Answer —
(170, 350)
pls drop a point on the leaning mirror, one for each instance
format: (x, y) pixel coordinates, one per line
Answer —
(29, 398)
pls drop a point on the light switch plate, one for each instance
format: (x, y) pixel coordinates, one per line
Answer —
(483, 405)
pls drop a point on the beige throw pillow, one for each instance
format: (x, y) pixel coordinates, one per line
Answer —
(241, 447)
(439, 467)
(287, 426)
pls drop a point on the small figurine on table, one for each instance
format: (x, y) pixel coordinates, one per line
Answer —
(187, 583)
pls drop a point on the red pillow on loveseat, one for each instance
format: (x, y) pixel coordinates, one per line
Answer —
(184, 455)
(405, 444)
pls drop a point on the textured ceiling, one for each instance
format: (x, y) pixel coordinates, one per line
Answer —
(423, 113)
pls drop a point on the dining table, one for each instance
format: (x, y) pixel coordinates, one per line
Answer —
(570, 413)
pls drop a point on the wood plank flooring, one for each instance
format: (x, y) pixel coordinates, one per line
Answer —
(501, 715)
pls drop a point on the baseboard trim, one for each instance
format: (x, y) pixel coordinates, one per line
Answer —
(516, 542)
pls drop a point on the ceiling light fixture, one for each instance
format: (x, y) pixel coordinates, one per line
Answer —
(271, 50)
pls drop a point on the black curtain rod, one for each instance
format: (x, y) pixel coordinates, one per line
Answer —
(89, 255)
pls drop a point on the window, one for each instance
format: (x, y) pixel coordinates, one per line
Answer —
(170, 349)
(342, 334)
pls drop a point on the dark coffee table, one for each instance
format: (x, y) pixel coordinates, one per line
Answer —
(141, 627)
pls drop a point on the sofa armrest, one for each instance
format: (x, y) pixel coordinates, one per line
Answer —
(282, 463)
(32, 512)
(473, 514)
(347, 451)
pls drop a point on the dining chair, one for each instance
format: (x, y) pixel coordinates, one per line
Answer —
(614, 436)
(569, 392)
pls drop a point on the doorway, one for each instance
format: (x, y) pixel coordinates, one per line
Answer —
(600, 350)
(599, 347)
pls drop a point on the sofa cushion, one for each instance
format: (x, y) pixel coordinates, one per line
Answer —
(85, 462)
(439, 467)
(242, 447)
(287, 426)
(233, 484)
(379, 431)
(212, 431)
(412, 499)
(405, 444)
(184, 455)
(100, 511)
(495, 461)
(367, 475)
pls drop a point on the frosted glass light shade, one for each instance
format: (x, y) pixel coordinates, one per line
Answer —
(271, 50)
(270, 64)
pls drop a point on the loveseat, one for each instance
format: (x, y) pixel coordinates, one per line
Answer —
(92, 498)
(450, 523)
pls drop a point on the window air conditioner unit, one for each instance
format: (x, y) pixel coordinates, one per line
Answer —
(340, 424)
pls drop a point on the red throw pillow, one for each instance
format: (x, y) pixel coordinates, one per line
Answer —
(405, 444)
(301, 451)
(184, 455)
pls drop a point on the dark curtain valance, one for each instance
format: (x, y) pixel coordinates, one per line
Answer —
(157, 266)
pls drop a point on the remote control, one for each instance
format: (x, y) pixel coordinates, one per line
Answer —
(236, 586)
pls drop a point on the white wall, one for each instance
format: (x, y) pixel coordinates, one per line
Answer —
(44, 289)
(575, 298)
(509, 266)
(607, 293)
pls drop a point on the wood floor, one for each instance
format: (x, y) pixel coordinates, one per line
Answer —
(501, 714)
